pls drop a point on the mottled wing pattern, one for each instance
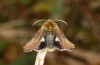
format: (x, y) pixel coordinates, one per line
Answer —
(35, 41)
(66, 44)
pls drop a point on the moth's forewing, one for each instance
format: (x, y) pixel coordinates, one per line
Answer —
(67, 45)
(35, 41)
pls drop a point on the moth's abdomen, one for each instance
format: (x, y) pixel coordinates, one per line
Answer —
(49, 39)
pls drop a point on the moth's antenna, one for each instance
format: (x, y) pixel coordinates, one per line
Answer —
(61, 21)
(38, 21)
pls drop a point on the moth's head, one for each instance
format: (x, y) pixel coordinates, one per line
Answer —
(49, 25)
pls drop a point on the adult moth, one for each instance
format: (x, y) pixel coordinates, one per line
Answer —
(48, 38)
(53, 39)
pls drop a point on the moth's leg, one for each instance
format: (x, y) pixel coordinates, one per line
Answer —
(42, 46)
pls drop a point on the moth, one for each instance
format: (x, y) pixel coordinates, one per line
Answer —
(49, 37)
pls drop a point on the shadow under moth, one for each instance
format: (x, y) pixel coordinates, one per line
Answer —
(48, 38)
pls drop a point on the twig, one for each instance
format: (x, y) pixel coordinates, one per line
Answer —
(40, 57)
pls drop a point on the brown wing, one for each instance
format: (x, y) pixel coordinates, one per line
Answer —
(63, 40)
(34, 42)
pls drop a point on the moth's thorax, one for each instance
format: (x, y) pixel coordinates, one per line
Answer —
(49, 25)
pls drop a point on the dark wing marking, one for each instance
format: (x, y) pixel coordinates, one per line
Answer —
(42, 45)
(63, 40)
(58, 45)
(35, 41)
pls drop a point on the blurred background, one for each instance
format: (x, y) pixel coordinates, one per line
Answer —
(82, 16)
